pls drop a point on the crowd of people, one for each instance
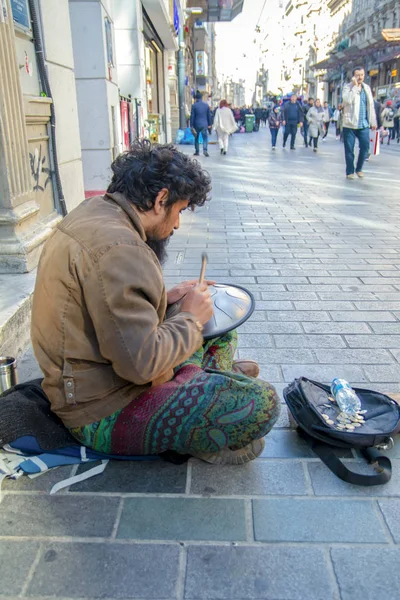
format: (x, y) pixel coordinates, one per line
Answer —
(352, 119)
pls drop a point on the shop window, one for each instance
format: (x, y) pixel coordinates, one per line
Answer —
(151, 79)
(20, 12)
(109, 43)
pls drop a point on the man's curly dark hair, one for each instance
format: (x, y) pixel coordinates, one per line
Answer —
(141, 172)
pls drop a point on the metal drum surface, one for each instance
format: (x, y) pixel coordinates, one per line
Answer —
(233, 305)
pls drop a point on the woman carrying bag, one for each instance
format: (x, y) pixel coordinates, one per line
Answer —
(315, 123)
(224, 125)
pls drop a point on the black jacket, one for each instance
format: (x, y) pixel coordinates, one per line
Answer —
(378, 112)
(293, 113)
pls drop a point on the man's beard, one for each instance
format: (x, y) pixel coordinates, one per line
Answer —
(159, 248)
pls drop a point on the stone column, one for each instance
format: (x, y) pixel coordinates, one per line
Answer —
(21, 233)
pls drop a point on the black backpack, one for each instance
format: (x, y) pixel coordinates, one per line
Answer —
(308, 400)
(390, 114)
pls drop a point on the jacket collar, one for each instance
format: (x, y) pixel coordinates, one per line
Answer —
(130, 210)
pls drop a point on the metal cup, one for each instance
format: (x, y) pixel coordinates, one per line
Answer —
(8, 373)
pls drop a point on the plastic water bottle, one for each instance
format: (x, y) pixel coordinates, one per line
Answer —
(345, 396)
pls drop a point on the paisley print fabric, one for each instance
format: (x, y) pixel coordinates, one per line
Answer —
(204, 408)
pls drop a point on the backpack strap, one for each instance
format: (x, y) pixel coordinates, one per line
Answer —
(326, 453)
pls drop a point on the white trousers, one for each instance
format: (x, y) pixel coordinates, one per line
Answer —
(223, 139)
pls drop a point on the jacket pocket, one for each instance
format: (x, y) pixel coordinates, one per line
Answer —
(86, 382)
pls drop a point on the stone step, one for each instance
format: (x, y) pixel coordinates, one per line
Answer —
(15, 312)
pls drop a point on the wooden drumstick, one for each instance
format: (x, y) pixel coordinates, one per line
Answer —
(204, 259)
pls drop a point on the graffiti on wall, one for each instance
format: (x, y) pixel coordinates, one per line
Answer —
(41, 174)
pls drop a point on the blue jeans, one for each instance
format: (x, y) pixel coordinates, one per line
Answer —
(349, 137)
(274, 135)
(204, 133)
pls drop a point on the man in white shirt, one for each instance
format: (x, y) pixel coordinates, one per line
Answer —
(358, 117)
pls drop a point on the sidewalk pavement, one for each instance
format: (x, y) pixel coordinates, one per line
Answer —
(322, 256)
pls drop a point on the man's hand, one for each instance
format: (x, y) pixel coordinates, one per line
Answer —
(354, 82)
(198, 303)
(301, 124)
(283, 122)
(373, 127)
(179, 291)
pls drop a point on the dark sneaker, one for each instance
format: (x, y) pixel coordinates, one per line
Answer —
(222, 150)
(206, 154)
(197, 154)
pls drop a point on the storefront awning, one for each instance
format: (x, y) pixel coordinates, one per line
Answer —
(160, 18)
(391, 35)
(217, 10)
(354, 54)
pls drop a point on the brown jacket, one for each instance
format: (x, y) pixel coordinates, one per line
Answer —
(98, 327)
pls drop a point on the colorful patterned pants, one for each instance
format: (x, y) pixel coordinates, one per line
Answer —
(204, 408)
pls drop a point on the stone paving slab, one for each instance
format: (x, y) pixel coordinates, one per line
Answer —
(325, 483)
(288, 520)
(183, 519)
(268, 573)
(15, 571)
(261, 477)
(58, 516)
(359, 572)
(140, 477)
(106, 571)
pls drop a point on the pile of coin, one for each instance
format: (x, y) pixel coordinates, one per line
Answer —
(344, 421)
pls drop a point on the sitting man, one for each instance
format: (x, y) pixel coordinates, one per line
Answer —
(123, 376)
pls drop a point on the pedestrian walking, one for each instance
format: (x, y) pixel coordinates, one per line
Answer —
(397, 123)
(200, 123)
(388, 115)
(336, 120)
(315, 123)
(258, 115)
(243, 112)
(326, 119)
(224, 125)
(265, 115)
(274, 122)
(292, 118)
(306, 107)
(358, 117)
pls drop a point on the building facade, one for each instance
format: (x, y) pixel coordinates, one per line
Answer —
(102, 78)
(322, 41)
(40, 150)
(80, 80)
(367, 34)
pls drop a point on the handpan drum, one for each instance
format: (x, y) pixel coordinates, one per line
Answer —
(233, 305)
